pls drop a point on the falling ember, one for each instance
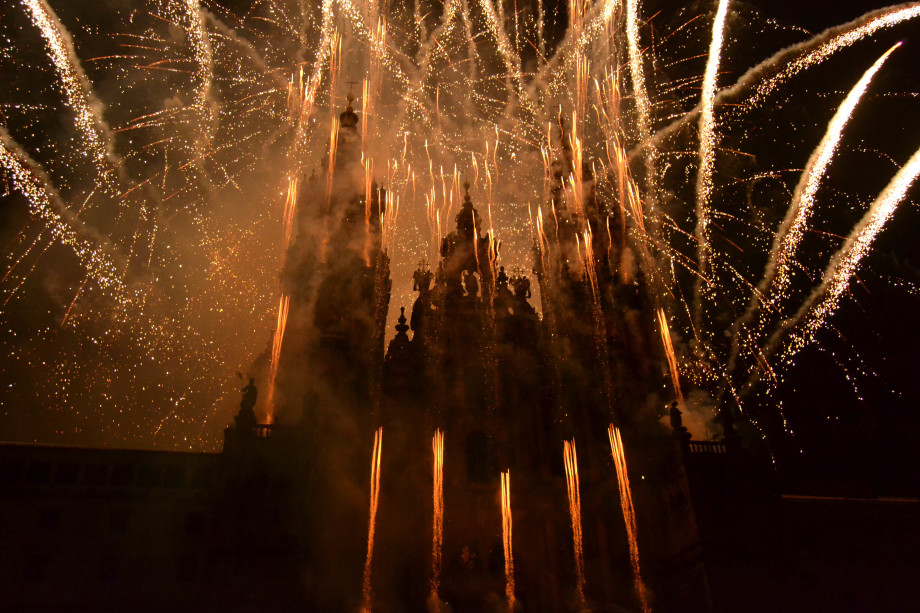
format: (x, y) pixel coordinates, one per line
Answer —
(571, 482)
(669, 352)
(437, 528)
(629, 514)
(375, 492)
(283, 305)
(506, 538)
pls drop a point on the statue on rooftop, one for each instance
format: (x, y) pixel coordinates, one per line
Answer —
(250, 393)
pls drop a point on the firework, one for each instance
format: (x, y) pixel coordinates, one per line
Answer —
(506, 538)
(572, 487)
(372, 520)
(437, 527)
(629, 513)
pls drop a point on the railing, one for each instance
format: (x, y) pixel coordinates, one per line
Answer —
(715, 447)
(272, 430)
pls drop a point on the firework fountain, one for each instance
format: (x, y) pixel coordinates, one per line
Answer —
(507, 538)
(574, 492)
(629, 512)
(437, 520)
(372, 519)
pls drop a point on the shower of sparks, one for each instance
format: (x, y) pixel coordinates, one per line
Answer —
(437, 528)
(629, 513)
(372, 520)
(707, 152)
(283, 305)
(574, 492)
(815, 312)
(154, 219)
(506, 538)
(669, 353)
(789, 236)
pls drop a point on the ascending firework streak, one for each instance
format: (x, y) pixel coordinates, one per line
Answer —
(629, 513)
(708, 145)
(506, 538)
(375, 492)
(205, 105)
(290, 207)
(642, 102)
(669, 352)
(95, 252)
(571, 482)
(437, 528)
(95, 134)
(283, 306)
(823, 301)
(777, 277)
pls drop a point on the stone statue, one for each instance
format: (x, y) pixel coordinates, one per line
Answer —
(250, 393)
(677, 423)
(501, 281)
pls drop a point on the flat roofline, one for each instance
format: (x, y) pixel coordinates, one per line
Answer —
(21, 445)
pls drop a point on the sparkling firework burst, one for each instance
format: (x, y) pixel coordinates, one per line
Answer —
(152, 162)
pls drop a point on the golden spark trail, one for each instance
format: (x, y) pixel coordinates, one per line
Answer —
(287, 223)
(571, 482)
(836, 38)
(643, 111)
(825, 298)
(629, 513)
(669, 352)
(94, 132)
(506, 539)
(375, 493)
(93, 251)
(707, 152)
(283, 305)
(437, 528)
(753, 87)
(777, 275)
(204, 59)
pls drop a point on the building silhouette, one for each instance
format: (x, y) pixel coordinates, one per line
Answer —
(279, 519)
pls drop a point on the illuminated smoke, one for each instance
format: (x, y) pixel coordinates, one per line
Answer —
(629, 513)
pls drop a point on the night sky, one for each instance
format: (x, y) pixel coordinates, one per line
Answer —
(158, 370)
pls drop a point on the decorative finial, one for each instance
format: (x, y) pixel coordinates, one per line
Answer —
(349, 118)
(466, 188)
(401, 327)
